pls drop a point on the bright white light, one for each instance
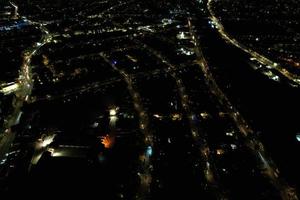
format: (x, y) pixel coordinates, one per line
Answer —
(112, 112)
(57, 154)
(229, 133)
(275, 78)
(298, 137)
(156, 115)
(48, 140)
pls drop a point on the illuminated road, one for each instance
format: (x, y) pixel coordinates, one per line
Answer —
(145, 158)
(255, 56)
(180, 96)
(24, 90)
(195, 127)
(264, 163)
(16, 14)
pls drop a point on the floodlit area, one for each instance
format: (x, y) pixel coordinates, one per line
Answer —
(10, 88)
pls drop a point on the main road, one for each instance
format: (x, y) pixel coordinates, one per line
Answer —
(23, 93)
(295, 79)
(195, 128)
(145, 158)
(264, 163)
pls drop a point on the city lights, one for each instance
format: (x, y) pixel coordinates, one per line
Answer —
(151, 99)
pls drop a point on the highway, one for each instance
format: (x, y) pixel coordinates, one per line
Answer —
(295, 79)
(264, 163)
(24, 90)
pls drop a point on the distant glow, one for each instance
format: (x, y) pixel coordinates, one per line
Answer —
(95, 125)
(193, 117)
(176, 116)
(195, 133)
(298, 137)
(3, 161)
(101, 157)
(233, 146)
(220, 151)
(169, 140)
(207, 165)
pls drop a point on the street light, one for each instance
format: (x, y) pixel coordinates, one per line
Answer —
(112, 112)
(113, 116)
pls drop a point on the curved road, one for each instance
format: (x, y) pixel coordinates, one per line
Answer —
(255, 56)
(25, 83)
(264, 163)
